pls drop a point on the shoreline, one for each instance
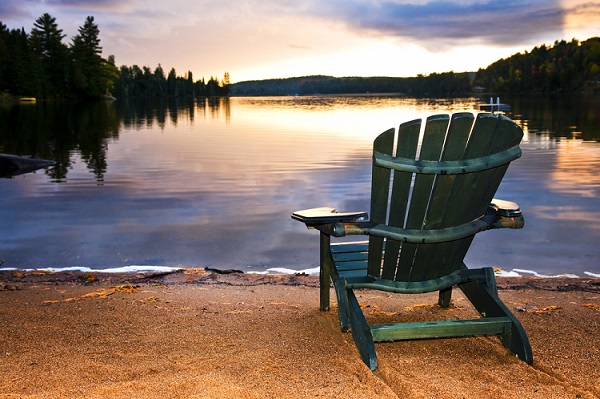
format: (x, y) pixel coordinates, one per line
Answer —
(499, 273)
(204, 334)
(234, 277)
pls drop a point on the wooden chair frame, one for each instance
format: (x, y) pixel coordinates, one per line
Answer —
(419, 233)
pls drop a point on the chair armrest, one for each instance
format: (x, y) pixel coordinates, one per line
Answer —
(500, 214)
(505, 208)
(320, 216)
(508, 214)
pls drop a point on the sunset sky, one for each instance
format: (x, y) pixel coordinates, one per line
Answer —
(260, 39)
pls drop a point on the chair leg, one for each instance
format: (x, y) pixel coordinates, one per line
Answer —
(445, 297)
(361, 332)
(324, 271)
(484, 297)
(343, 306)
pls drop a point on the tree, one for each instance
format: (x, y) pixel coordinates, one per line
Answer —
(212, 87)
(189, 84)
(226, 83)
(111, 74)
(5, 60)
(20, 71)
(89, 79)
(160, 81)
(47, 46)
(172, 89)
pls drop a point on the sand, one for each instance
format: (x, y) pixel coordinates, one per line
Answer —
(199, 334)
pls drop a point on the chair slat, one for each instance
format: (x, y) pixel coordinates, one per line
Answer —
(431, 148)
(353, 248)
(435, 256)
(379, 198)
(407, 144)
(475, 191)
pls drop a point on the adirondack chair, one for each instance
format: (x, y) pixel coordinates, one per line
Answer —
(431, 193)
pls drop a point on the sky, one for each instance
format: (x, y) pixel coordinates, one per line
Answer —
(262, 39)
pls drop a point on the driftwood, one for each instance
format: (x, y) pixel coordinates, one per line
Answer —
(13, 165)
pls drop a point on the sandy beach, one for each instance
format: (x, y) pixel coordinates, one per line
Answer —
(201, 334)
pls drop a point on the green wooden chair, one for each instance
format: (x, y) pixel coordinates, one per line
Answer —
(431, 193)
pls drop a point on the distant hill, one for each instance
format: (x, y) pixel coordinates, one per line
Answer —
(444, 84)
(565, 67)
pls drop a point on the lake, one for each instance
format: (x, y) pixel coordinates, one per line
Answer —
(212, 183)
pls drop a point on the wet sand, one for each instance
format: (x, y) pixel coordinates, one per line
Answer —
(199, 334)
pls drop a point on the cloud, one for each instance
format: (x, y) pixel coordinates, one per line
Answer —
(439, 22)
(584, 14)
(12, 10)
(93, 4)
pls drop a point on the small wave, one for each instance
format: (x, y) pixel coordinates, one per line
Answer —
(285, 270)
(504, 273)
(536, 274)
(274, 270)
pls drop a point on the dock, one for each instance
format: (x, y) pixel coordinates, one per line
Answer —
(495, 106)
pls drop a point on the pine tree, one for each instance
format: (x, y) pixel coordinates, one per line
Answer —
(89, 79)
(20, 72)
(46, 44)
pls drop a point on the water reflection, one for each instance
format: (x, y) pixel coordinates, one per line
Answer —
(145, 113)
(67, 132)
(576, 170)
(558, 117)
(57, 131)
(212, 182)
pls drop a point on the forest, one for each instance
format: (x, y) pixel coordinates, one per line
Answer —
(565, 67)
(40, 65)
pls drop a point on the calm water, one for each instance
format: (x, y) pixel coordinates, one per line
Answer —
(212, 184)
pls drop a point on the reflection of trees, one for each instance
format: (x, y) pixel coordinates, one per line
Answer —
(216, 105)
(575, 116)
(58, 131)
(145, 112)
(63, 131)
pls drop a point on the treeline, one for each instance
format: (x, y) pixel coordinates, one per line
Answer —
(38, 64)
(434, 85)
(143, 82)
(566, 67)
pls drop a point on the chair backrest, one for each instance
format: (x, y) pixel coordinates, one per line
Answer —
(442, 175)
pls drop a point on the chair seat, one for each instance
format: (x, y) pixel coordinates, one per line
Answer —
(350, 258)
